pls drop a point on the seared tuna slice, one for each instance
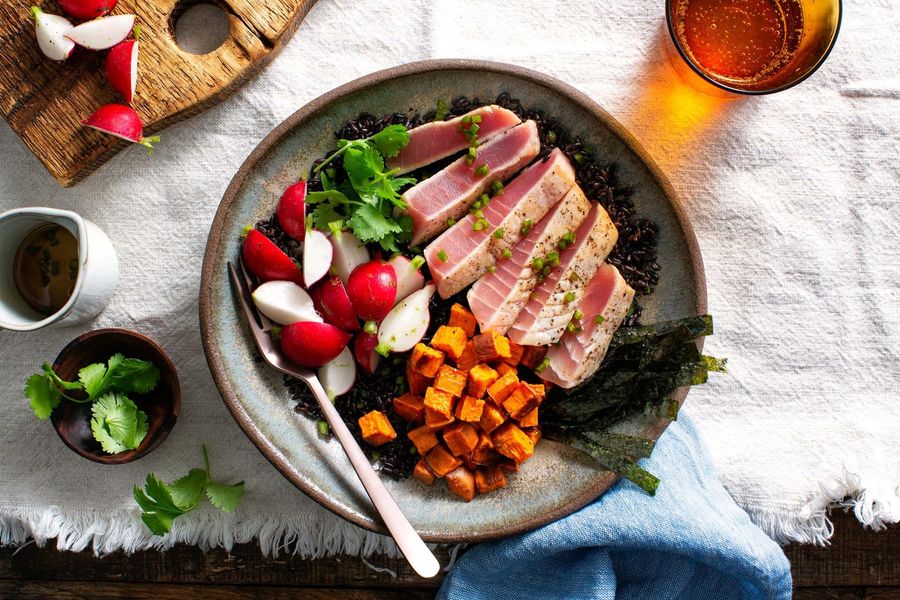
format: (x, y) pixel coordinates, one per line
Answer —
(497, 297)
(448, 193)
(464, 252)
(602, 310)
(551, 305)
(439, 139)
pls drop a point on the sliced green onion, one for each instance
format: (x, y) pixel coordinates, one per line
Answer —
(506, 253)
(499, 233)
(552, 259)
(476, 118)
(442, 111)
(322, 427)
(537, 264)
(577, 315)
(544, 364)
(476, 226)
(527, 224)
(451, 222)
(573, 276)
(246, 230)
(470, 160)
(442, 255)
(482, 171)
(551, 137)
(599, 319)
(569, 297)
(417, 262)
(497, 187)
(383, 349)
(492, 269)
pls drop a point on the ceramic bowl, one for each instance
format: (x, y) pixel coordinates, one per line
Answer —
(72, 421)
(97, 273)
(557, 480)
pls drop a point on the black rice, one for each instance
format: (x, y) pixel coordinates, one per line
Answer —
(634, 255)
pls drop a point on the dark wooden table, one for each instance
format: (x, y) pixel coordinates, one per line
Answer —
(859, 564)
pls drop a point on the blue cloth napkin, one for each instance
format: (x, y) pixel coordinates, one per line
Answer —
(689, 541)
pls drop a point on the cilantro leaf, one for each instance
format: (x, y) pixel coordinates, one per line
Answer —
(93, 378)
(225, 497)
(161, 504)
(370, 225)
(363, 163)
(187, 492)
(323, 214)
(115, 423)
(42, 395)
(391, 140)
(133, 375)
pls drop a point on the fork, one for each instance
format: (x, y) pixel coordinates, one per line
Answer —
(411, 545)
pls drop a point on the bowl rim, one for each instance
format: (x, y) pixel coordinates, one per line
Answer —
(216, 234)
(168, 366)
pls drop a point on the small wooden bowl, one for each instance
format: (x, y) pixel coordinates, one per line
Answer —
(72, 421)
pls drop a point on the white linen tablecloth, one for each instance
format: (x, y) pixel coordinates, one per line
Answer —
(794, 198)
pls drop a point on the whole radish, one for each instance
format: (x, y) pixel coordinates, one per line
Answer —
(85, 10)
(372, 287)
(103, 33)
(122, 67)
(332, 302)
(364, 350)
(267, 261)
(121, 121)
(312, 344)
(292, 211)
(51, 31)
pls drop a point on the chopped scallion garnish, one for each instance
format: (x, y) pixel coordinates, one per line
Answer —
(499, 233)
(442, 255)
(482, 171)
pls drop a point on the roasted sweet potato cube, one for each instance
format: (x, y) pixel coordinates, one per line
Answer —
(491, 417)
(439, 402)
(469, 409)
(521, 401)
(417, 383)
(490, 346)
(376, 429)
(423, 438)
(488, 479)
(503, 387)
(539, 390)
(504, 368)
(533, 432)
(484, 453)
(508, 465)
(440, 461)
(512, 442)
(426, 361)
(461, 482)
(529, 420)
(461, 317)
(451, 340)
(480, 379)
(461, 438)
(532, 356)
(468, 359)
(410, 407)
(515, 354)
(436, 421)
(450, 380)
(423, 473)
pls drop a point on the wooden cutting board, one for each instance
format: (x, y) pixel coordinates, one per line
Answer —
(44, 101)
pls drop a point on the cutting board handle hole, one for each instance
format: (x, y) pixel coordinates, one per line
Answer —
(199, 27)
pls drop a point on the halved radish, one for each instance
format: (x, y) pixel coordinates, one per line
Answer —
(372, 287)
(267, 261)
(338, 375)
(121, 121)
(51, 33)
(364, 350)
(407, 322)
(349, 253)
(85, 10)
(122, 67)
(409, 279)
(292, 211)
(285, 302)
(103, 33)
(331, 300)
(317, 255)
(312, 344)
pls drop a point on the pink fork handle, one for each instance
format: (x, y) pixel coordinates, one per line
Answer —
(411, 545)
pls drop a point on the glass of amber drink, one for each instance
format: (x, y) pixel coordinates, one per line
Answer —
(750, 46)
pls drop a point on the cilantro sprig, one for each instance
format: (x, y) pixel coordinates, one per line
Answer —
(116, 421)
(369, 201)
(161, 504)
